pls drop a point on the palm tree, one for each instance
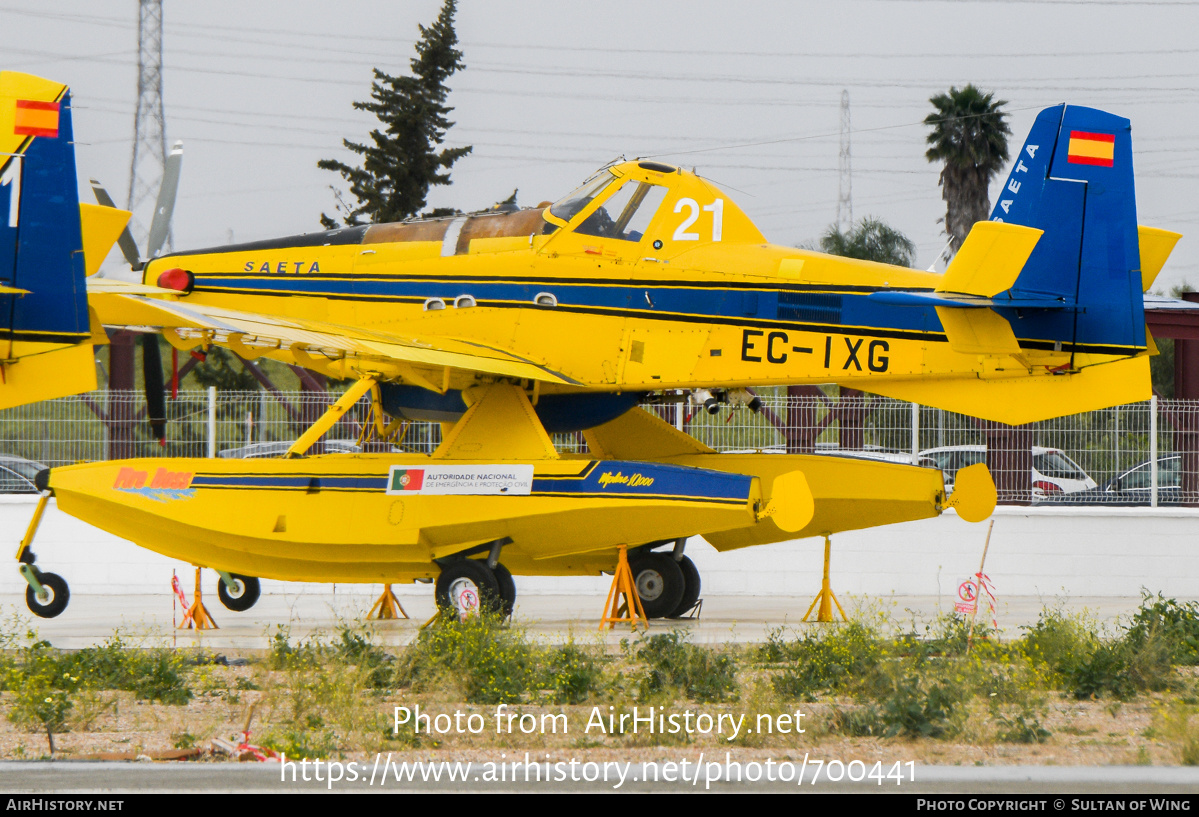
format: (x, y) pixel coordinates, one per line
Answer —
(969, 134)
(871, 239)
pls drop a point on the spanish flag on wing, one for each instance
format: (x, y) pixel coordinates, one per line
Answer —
(1091, 148)
(34, 118)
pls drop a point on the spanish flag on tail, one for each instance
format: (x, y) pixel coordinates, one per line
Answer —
(35, 118)
(1091, 148)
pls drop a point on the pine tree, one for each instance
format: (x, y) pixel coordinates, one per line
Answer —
(404, 161)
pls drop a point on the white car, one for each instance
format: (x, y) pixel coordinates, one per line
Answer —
(1053, 473)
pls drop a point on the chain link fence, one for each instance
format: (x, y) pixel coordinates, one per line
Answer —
(1111, 456)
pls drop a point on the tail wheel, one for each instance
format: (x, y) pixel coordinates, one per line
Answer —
(467, 587)
(58, 594)
(507, 589)
(243, 598)
(659, 583)
(691, 585)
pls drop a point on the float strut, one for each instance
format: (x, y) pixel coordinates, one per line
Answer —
(825, 598)
(327, 420)
(197, 615)
(629, 610)
(387, 606)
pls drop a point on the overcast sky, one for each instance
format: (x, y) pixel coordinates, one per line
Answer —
(747, 92)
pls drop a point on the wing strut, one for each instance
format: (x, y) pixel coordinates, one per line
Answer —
(334, 413)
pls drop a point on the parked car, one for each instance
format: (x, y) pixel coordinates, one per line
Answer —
(1135, 486)
(1053, 473)
(17, 473)
(879, 454)
(267, 450)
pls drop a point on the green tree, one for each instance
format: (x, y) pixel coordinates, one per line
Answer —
(871, 239)
(404, 160)
(969, 135)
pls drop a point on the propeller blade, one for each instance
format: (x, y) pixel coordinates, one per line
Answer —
(125, 241)
(160, 225)
(156, 406)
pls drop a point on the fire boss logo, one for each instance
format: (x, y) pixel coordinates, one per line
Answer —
(163, 486)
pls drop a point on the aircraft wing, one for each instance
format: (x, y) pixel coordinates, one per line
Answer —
(342, 351)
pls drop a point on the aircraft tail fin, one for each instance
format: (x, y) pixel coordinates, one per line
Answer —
(45, 337)
(1073, 179)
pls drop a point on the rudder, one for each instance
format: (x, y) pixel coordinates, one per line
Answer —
(45, 348)
(1073, 178)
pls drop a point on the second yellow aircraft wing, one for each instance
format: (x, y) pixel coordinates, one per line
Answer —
(344, 350)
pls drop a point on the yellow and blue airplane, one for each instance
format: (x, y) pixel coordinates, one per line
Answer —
(509, 326)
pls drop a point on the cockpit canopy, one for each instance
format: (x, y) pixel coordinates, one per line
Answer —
(624, 216)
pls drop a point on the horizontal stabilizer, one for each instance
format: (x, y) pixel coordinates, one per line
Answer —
(990, 259)
(978, 332)
(1156, 246)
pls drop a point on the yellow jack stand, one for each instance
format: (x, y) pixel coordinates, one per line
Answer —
(629, 610)
(387, 607)
(825, 598)
(197, 615)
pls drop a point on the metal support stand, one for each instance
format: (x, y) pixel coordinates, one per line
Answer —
(825, 598)
(197, 615)
(387, 606)
(629, 610)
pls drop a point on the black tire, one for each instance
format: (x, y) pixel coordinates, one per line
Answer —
(691, 585)
(507, 589)
(244, 598)
(659, 582)
(60, 594)
(466, 587)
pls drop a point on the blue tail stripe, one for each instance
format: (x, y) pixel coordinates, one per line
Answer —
(1089, 256)
(49, 246)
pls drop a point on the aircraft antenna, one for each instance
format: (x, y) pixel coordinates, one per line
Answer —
(845, 167)
(149, 125)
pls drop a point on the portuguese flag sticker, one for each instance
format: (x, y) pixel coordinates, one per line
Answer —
(409, 479)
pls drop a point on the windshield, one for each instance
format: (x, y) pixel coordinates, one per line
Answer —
(626, 214)
(568, 207)
(1057, 465)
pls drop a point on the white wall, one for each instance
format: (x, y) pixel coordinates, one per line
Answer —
(1034, 552)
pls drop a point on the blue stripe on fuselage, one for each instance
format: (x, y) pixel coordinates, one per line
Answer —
(819, 309)
(725, 304)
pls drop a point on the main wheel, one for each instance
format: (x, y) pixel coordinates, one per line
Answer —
(691, 585)
(507, 589)
(466, 587)
(59, 593)
(243, 598)
(659, 583)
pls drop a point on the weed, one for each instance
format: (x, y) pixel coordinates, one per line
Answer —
(1177, 724)
(1060, 640)
(488, 662)
(357, 647)
(1176, 623)
(826, 662)
(183, 740)
(571, 674)
(673, 662)
(1024, 727)
(858, 722)
(42, 690)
